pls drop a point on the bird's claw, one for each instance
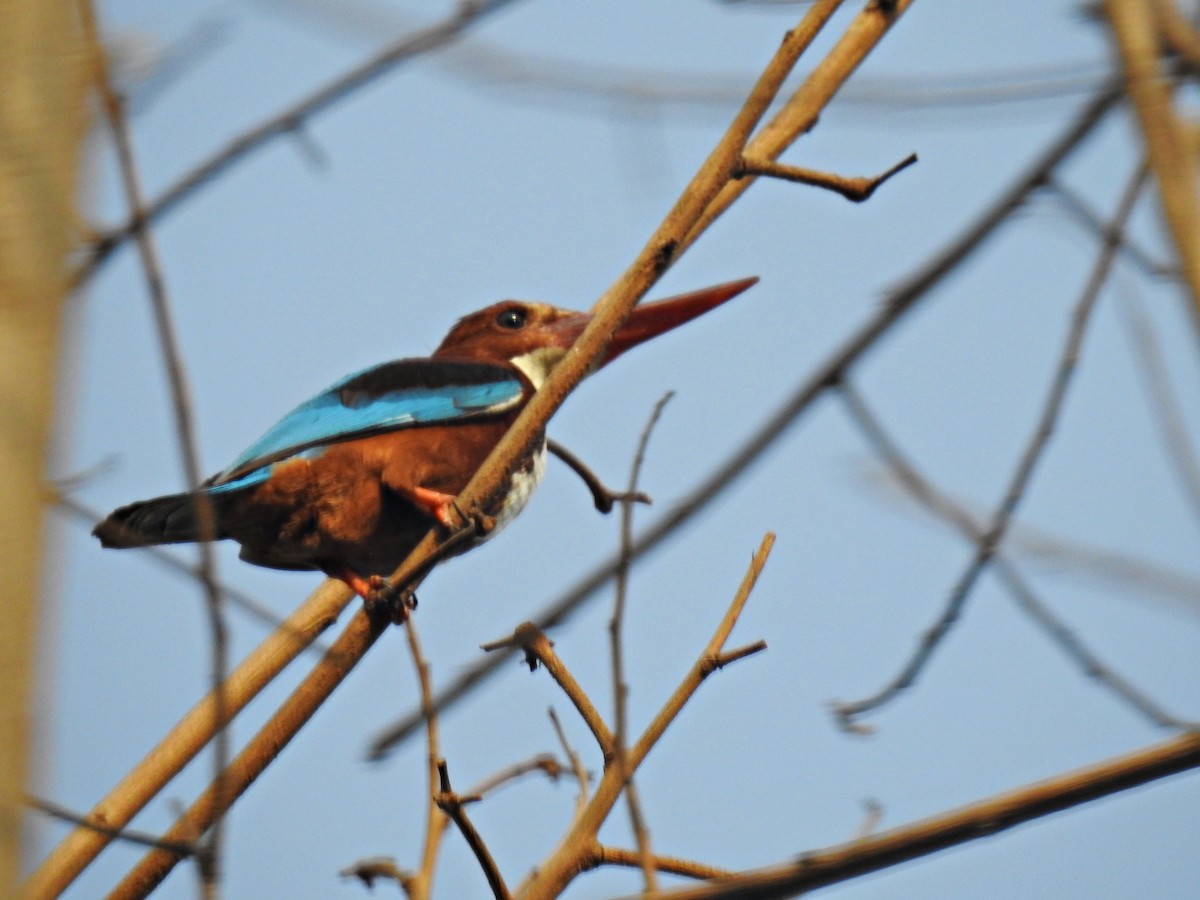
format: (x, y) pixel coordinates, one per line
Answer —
(385, 600)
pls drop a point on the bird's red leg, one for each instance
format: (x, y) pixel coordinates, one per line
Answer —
(433, 503)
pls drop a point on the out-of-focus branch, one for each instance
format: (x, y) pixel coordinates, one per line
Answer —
(360, 633)
(989, 541)
(1174, 168)
(42, 84)
(293, 120)
(859, 857)
(924, 492)
(193, 732)
(417, 886)
(898, 302)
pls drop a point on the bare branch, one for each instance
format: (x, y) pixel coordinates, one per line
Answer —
(292, 121)
(620, 688)
(581, 773)
(181, 403)
(938, 503)
(1038, 441)
(672, 865)
(578, 846)
(864, 855)
(183, 848)
(358, 637)
(418, 885)
(452, 805)
(855, 190)
(1174, 168)
(601, 495)
(540, 649)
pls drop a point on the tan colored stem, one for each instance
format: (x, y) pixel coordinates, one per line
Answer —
(188, 738)
(42, 111)
(988, 817)
(1174, 168)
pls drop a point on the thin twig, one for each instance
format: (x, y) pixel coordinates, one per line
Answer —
(292, 121)
(577, 766)
(453, 806)
(672, 865)
(899, 301)
(129, 836)
(637, 820)
(577, 848)
(856, 189)
(989, 541)
(540, 649)
(1082, 212)
(932, 499)
(1169, 415)
(181, 404)
(602, 497)
(819, 868)
(418, 886)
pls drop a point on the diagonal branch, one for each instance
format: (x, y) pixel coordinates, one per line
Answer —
(924, 492)
(1174, 168)
(181, 404)
(898, 302)
(1039, 440)
(889, 848)
(291, 122)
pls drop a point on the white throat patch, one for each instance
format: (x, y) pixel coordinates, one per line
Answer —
(536, 364)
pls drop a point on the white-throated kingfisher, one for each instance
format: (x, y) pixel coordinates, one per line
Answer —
(349, 482)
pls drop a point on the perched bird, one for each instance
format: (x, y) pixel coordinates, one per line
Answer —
(349, 482)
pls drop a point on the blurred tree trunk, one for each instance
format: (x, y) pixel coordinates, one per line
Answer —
(41, 129)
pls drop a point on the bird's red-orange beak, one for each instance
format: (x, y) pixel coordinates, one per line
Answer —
(652, 319)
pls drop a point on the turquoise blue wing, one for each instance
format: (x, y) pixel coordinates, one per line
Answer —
(402, 394)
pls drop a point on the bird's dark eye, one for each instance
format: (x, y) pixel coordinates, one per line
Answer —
(511, 319)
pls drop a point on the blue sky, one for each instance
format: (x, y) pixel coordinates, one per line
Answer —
(444, 187)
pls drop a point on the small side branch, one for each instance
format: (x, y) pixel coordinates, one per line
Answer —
(453, 806)
(672, 865)
(540, 649)
(183, 848)
(855, 190)
(602, 495)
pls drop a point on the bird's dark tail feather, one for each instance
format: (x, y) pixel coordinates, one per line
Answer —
(172, 519)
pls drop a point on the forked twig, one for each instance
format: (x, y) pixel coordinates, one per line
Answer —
(920, 488)
(579, 848)
(990, 540)
(452, 805)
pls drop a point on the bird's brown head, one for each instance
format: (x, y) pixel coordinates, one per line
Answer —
(535, 336)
